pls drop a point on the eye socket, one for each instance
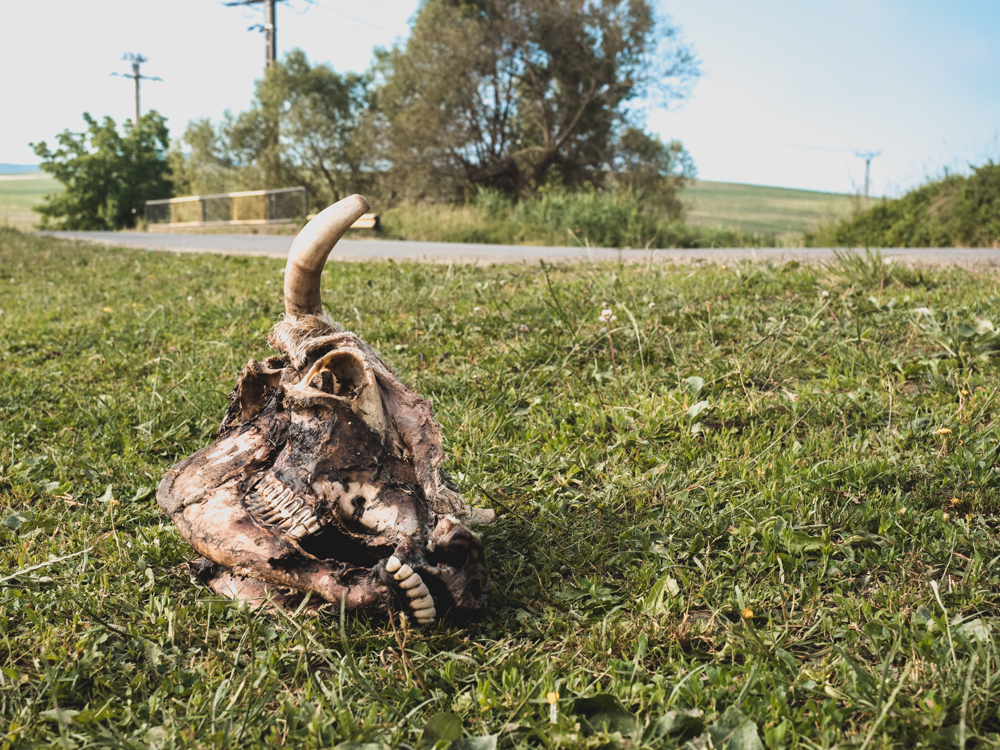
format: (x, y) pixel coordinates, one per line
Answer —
(457, 556)
(339, 374)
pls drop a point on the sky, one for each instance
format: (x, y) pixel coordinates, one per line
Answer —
(789, 90)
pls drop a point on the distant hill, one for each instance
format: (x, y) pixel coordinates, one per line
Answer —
(19, 168)
(762, 210)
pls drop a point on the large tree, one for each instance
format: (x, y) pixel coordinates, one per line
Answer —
(322, 115)
(659, 170)
(109, 175)
(511, 94)
(305, 125)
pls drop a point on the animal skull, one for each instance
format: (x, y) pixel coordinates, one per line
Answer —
(325, 476)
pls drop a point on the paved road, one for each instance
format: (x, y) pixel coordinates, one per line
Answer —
(448, 252)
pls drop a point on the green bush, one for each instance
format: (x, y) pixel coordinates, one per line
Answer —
(109, 175)
(952, 211)
(615, 218)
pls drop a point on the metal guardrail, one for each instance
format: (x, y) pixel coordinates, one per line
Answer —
(281, 206)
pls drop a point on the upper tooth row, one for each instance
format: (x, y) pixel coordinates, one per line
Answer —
(415, 588)
(278, 504)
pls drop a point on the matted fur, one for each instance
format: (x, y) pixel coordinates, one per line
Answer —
(292, 335)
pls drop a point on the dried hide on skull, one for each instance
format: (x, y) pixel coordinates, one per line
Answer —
(325, 476)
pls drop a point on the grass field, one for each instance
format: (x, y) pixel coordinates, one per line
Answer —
(762, 210)
(750, 209)
(772, 523)
(18, 193)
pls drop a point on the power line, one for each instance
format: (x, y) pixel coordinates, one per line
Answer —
(136, 60)
(354, 18)
(344, 25)
(270, 28)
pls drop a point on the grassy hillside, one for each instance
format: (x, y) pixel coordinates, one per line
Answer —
(745, 209)
(18, 193)
(756, 209)
(773, 518)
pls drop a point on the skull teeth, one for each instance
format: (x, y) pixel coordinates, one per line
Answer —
(285, 502)
(419, 591)
(424, 602)
(416, 590)
(274, 504)
(412, 582)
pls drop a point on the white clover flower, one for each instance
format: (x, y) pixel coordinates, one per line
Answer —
(190, 298)
(606, 316)
(477, 309)
(824, 294)
(652, 305)
(523, 328)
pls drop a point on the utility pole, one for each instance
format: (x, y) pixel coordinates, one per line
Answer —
(136, 60)
(270, 28)
(867, 156)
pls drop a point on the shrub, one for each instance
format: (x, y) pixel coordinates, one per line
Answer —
(952, 211)
(613, 218)
(108, 175)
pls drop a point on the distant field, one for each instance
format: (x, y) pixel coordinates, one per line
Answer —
(748, 208)
(18, 193)
(759, 209)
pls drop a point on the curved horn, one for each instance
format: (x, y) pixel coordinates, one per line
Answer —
(310, 250)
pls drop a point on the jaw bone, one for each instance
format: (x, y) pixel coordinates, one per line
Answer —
(325, 477)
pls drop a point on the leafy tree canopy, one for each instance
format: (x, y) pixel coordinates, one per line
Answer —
(305, 125)
(645, 163)
(322, 117)
(514, 94)
(108, 175)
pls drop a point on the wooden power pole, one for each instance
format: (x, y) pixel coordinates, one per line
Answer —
(867, 156)
(270, 28)
(136, 60)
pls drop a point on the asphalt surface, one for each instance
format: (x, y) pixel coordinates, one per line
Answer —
(448, 252)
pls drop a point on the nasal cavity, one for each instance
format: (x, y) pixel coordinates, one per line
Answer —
(476, 589)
